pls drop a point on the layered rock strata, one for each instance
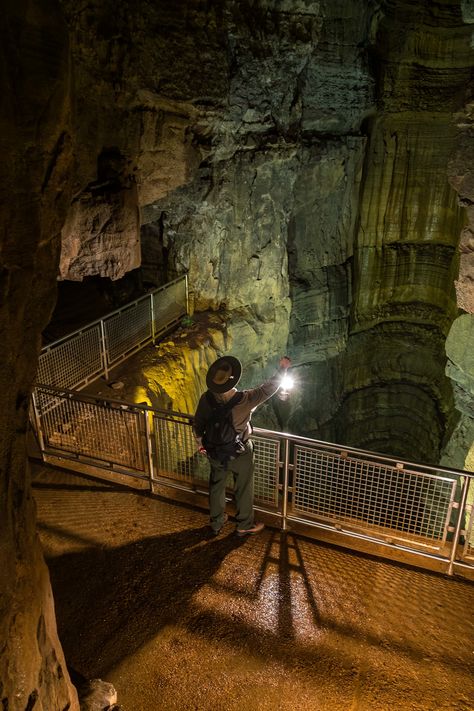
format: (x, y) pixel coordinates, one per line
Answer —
(370, 226)
(405, 260)
(459, 451)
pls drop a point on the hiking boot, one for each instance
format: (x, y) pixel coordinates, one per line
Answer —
(256, 528)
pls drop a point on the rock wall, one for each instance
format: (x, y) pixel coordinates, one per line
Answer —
(334, 149)
(133, 63)
(266, 229)
(290, 157)
(459, 450)
(395, 394)
(35, 146)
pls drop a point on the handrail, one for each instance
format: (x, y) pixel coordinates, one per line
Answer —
(154, 444)
(119, 310)
(297, 439)
(82, 356)
(326, 486)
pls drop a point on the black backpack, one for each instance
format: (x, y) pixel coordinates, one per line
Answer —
(220, 440)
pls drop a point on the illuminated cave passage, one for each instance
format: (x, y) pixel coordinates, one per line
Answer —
(307, 164)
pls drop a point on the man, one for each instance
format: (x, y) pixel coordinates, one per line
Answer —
(221, 380)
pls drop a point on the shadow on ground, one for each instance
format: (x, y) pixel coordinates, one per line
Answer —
(132, 591)
(201, 622)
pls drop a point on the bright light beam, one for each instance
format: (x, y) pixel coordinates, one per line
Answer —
(287, 383)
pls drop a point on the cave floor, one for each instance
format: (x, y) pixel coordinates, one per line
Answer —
(177, 620)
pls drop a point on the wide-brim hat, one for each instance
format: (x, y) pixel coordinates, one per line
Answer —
(224, 374)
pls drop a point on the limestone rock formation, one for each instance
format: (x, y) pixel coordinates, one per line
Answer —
(461, 360)
(295, 168)
(101, 231)
(461, 177)
(266, 228)
(459, 450)
(99, 696)
(349, 179)
(405, 259)
(35, 145)
(131, 63)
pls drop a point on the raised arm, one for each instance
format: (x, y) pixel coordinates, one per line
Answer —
(255, 396)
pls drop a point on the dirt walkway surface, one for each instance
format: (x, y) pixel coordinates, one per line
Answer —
(180, 621)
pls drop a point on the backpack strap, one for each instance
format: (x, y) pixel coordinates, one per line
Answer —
(223, 407)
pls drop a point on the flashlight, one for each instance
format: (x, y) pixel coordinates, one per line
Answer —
(286, 385)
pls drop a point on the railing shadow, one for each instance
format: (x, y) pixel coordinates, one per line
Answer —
(111, 601)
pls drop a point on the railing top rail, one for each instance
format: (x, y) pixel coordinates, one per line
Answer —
(108, 315)
(391, 461)
(296, 439)
(80, 395)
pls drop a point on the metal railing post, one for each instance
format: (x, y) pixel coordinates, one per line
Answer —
(104, 349)
(37, 418)
(286, 472)
(149, 446)
(152, 312)
(457, 532)
(186, 292)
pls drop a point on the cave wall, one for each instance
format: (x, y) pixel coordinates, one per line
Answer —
(396, 397)
(266, 229)
(459, 449)
(36, 152)
(350, 176)
(292, 159)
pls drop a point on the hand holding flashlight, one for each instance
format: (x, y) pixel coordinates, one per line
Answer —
(287, 382)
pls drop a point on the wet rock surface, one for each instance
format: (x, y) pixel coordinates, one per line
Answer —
(175, 619)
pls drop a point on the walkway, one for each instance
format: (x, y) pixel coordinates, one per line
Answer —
(178, 621)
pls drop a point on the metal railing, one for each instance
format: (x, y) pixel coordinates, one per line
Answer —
(409, 507)
(82, 356)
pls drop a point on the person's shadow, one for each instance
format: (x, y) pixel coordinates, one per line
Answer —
(109, 602)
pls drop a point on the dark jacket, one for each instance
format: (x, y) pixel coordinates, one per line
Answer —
(242, 412)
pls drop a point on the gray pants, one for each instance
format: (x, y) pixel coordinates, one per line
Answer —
(242, 469)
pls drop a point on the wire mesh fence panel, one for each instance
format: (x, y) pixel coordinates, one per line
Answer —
(128, 329)
(267, 457)
(106, 434)
(373, 496)
(169, 305)
(46, 401)
(417, 506)
(177, 458)
(175, 451)
(73, 362)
